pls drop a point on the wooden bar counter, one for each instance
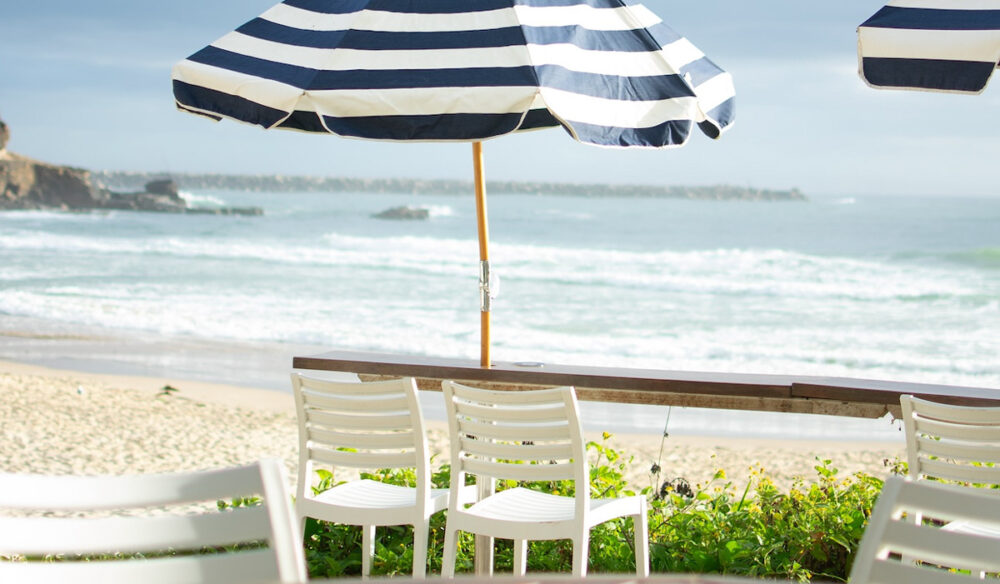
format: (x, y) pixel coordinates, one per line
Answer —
(742, 391)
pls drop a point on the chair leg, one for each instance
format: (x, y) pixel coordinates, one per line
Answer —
(420, 535)
(581, 548)
(520, 557)
(367, 549)
(302, 528)
(450, 551)
(640, 529)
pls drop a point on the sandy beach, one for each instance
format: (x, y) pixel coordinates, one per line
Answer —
(68, 422)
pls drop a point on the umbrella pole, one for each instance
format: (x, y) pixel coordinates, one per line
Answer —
(484, 255)
(484, 543)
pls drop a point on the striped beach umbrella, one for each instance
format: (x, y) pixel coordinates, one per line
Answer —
(609, 72)
(931, 45)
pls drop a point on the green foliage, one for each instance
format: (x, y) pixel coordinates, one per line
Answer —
(809, 531)
(238, 502)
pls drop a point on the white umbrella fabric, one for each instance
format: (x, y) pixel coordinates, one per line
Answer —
(609, 72)
(931, 45)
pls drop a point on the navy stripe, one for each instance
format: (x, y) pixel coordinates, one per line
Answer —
(672, 133)
(424, 78)
(329, 6)
(304, 122)
(538, 118)
(620, 41)
(209, 100)
(311, 79)
(701, 71)
(927, 73)
(182, 107)
(613, 86)
(431, 127)
(421, 7)
(594, 3)
(663, 34)
(719, 118)
(934, 19)
(300, 77)
(380, 40)
(617, 41)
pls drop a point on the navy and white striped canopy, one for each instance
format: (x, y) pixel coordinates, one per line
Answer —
(933, 45)
(608, 71)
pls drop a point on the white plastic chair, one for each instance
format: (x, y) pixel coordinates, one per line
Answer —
(891, 536)
(953, 443)
(143, 532)
(527, 436)
(366, 426)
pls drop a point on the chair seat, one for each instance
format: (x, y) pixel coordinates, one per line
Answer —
(520, 504)
(369, 494)
(525, 505)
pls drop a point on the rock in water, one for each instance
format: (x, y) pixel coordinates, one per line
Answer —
(163, 186)
(403, 212)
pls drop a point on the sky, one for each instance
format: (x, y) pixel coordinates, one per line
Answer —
(87, 84)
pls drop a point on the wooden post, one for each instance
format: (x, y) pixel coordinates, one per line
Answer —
(484, 544)
(484, 254)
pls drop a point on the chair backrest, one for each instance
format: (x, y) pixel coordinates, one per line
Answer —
(892, 535)
(951, 442)
(138, 539)
(494, 433)
(371, 425)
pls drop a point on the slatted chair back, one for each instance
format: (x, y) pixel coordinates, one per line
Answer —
(956, 443)
(361, 426)
(929, 550)
(136, 538)
(521, 435)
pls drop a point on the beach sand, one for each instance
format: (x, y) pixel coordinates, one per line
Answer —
(66, 422)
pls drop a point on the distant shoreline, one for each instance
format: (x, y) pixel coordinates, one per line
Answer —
(292, 183)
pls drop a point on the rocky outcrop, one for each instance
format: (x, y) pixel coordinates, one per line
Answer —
(161, 195)
(403, 213)
(4, 135)
(29, 184)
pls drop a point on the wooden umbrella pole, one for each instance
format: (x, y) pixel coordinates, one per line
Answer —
(484, 254)
(484, 544)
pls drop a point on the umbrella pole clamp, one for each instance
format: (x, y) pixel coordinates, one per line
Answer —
(485, 294)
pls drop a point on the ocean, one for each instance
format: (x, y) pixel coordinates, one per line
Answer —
(871, 287)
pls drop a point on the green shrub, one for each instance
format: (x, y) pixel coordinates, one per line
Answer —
(810, 530)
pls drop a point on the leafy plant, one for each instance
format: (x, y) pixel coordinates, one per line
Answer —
(812, 530)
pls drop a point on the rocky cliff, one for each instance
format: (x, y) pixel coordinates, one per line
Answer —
(4, 136)
(31, 184)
